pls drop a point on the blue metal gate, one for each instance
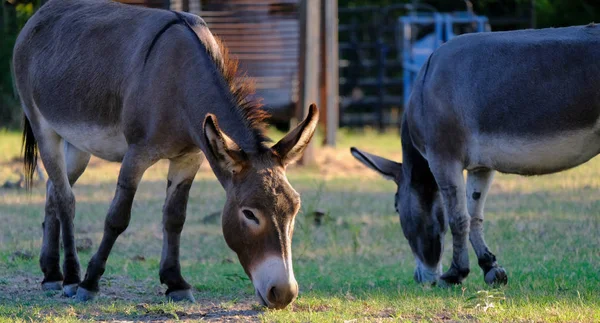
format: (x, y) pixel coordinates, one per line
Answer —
(416, 50)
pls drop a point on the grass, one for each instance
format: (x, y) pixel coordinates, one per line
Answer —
(354, 267)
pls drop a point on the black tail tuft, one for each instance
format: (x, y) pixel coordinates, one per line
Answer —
(30, 152)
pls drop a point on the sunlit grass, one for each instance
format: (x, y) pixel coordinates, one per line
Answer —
(355, 266)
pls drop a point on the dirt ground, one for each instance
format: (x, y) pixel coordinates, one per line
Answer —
(122, 289)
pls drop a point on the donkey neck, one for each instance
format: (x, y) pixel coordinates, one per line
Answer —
(416, 172)
(212, 96)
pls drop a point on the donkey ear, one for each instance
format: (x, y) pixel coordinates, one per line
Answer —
(225, 152)
(387, 168)
(291, 147)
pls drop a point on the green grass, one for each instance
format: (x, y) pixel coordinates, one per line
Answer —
(355, 266)
(10, 147)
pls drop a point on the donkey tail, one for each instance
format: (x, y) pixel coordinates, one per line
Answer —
(29, 149)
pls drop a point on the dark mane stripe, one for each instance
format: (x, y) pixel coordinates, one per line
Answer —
(160, 32)
(241, 86)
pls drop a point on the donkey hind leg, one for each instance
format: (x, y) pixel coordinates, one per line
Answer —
(134, 164)
(182, 171)
(50, 253)
(451, 183)
(60, 211)
(478, 184)
(77, 161)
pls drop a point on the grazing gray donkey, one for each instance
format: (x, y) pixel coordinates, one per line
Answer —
(137, 85)
(521, 102)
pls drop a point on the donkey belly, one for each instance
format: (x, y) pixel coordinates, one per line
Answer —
(535, 155)
(106, 142)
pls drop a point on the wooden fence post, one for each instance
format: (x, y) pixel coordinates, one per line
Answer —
(330, 71)
(309, 64)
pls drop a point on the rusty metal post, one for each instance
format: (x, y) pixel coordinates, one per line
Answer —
(309, 64)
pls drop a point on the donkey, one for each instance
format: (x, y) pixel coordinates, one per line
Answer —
(135, 86)
(521, 102)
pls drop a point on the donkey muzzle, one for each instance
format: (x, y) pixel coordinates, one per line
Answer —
(425, 275)
(274, 282)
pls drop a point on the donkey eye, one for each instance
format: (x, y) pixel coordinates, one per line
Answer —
(250, 216)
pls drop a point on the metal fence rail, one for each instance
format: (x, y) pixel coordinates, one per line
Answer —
(370, 72)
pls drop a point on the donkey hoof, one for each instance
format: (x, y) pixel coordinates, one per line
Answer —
(84, 295)
(70, 290)
(52, 285)
(181, 295)
(496, 276)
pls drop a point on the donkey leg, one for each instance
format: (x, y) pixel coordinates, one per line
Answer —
(451, 183)
(60, 204)
(478, 184)
(182, 171)
(50, 254)
(77, 161)
(133, 167)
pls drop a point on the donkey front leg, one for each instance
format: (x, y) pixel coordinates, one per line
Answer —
(182, 171)
(451, 183)
(478, 184)
(133, 167)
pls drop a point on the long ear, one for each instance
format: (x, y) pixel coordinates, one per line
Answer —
(389, 169)
(291, 147)
(224, 153)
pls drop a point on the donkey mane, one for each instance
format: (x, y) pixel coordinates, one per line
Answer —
(242, 89)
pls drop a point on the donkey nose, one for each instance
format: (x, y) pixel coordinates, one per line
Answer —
(282, 294)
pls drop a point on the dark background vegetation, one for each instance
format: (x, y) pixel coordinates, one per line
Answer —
(13, 16)
(546, 13)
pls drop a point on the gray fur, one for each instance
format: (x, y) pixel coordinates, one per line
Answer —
(523, 102)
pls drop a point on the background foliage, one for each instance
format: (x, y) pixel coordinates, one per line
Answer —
(548, 13)
(13, 16)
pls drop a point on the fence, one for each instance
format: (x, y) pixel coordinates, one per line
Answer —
(371, 72)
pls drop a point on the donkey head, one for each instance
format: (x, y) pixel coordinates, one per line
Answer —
(258, 217)
(421, 215)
